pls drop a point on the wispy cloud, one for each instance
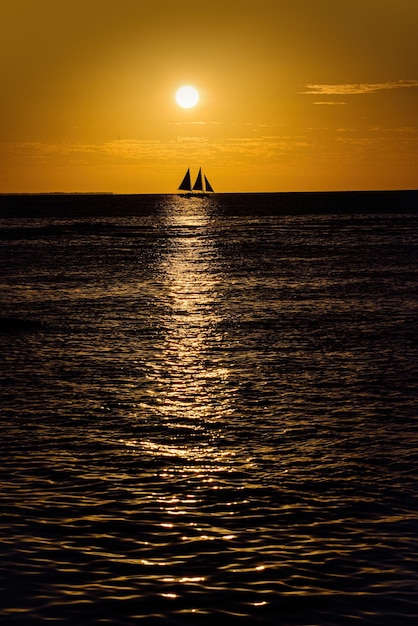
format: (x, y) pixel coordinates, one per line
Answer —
(329, 103)
(181, 139)
(73, 152)
(357, 88)
(145, 151)
(195, 123)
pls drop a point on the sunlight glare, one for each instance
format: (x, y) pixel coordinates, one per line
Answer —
(187, 96)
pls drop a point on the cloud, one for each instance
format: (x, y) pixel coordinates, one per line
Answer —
(357, 88)
(329, 103)
(145, 151)
(73, 152)
(190, 123)
(195, 123)
(185, 138)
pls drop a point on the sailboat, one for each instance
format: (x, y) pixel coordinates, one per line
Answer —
(201, 187)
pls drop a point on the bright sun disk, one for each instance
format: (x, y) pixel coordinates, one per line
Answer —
(187, 96)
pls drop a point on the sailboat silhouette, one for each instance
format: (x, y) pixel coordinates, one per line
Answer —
(200, 188)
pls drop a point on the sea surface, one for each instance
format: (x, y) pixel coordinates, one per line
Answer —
(209, 410)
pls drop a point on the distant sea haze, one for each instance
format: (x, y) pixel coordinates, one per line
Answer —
(209, 409)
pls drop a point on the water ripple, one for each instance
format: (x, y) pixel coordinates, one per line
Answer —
(213, 419)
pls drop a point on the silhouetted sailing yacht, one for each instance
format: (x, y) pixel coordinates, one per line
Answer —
(200, 188)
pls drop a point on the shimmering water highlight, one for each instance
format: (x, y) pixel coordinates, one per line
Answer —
(209, 410)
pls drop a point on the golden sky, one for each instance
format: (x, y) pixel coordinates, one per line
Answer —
(295, 95)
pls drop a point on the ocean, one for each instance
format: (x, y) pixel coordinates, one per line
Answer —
(209, 409)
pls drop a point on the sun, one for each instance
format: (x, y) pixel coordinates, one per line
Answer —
(187, 96)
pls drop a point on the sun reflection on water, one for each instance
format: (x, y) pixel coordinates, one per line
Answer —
(191, 381)
(185, 451)
(188, 400)
(186, 413)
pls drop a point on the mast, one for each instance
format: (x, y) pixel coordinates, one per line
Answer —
(198, 186)
(186, 184)
(208, 185)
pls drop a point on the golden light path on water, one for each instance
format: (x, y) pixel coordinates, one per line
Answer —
(191, 288)
(191, 394)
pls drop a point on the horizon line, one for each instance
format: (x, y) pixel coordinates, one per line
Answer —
(156, 193)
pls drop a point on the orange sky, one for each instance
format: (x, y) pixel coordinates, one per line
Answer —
(295, 94)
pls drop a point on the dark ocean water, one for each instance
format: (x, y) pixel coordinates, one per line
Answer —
(209, 410)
